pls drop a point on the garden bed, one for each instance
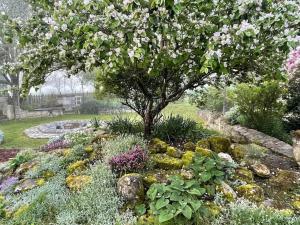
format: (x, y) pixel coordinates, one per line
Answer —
(6, 154)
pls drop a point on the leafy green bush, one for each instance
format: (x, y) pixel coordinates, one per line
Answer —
(182, 202)
(243, 212)
(22, 157)
(292, 117)
(96, 106)
(212, 98)
(261, 108)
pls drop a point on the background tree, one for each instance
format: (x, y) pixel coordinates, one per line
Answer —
(9, 51)
(151, 52)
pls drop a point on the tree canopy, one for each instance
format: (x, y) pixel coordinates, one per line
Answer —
(151, 51)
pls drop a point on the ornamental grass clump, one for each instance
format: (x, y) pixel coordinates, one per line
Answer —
(131, 161)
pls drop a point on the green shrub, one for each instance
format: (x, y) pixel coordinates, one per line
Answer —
(261, 108)
(123, 125)
(96, 106)
(212, 98)
(292, 117)
(243, 212)
(173, 129)
(22, 157)
(182, 202)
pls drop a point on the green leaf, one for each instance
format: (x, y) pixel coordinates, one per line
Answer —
(140, 209)
(162, 202)
(196, 204)
(197, 191)
(165, 215)
(152, 192)
(205, 176)
(187, 212)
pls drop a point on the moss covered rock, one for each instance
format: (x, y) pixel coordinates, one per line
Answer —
(187, 158)
(130, 187)
(164, 161)
(244, 174)
(174, 152)
(204, 151)
(251, 192)
(157, 146)
(261, 170)
(158, 176)
(286, 180)
(228, 193)
(238, 152)
(296, 205)
(189, 146)
(25, 185)
(219, 144)
(203, 143)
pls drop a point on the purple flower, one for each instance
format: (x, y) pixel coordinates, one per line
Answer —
(58, 144)
(8, 183)
(131, 161)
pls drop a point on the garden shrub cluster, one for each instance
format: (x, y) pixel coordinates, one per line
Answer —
(96, 106)
(173, 129)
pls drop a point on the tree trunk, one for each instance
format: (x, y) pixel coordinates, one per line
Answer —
(148, 124)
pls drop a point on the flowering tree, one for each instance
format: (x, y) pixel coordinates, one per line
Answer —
(293, 63)
(9, 51)
(151, 51)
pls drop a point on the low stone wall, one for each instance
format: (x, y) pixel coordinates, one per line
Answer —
(238, 133)
(22, 114)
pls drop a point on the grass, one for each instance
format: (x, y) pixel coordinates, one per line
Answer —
(14, 130)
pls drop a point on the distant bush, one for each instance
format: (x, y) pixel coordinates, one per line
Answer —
(22, 157)
(212, 98)
(292, 117)
(124, 125)
(96, 106)
(261, 108)
(90, 107)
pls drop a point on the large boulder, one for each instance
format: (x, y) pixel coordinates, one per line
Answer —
(227, 191)
(163, 161)
(174, 152)
(251, 192)
(157, 146)
(286, 180)
(244, 174)
(296, 146)
(130, 187)
(188, 157)
(219, 144)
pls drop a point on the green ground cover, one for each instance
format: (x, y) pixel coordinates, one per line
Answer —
(15, 138)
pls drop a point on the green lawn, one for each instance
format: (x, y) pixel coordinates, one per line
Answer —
(15, 138)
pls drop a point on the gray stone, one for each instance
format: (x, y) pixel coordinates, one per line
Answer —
(25, 185)
(296, 146)
(226, 157)
(130, 187)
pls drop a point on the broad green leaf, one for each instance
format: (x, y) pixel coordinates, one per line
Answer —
(165, 216)
(187, 212)
(197, 191)
(162, 202)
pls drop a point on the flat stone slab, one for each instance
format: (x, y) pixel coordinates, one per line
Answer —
(217, 122)
(57, 128)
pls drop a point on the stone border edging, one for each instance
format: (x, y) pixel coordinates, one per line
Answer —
(217, 122)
